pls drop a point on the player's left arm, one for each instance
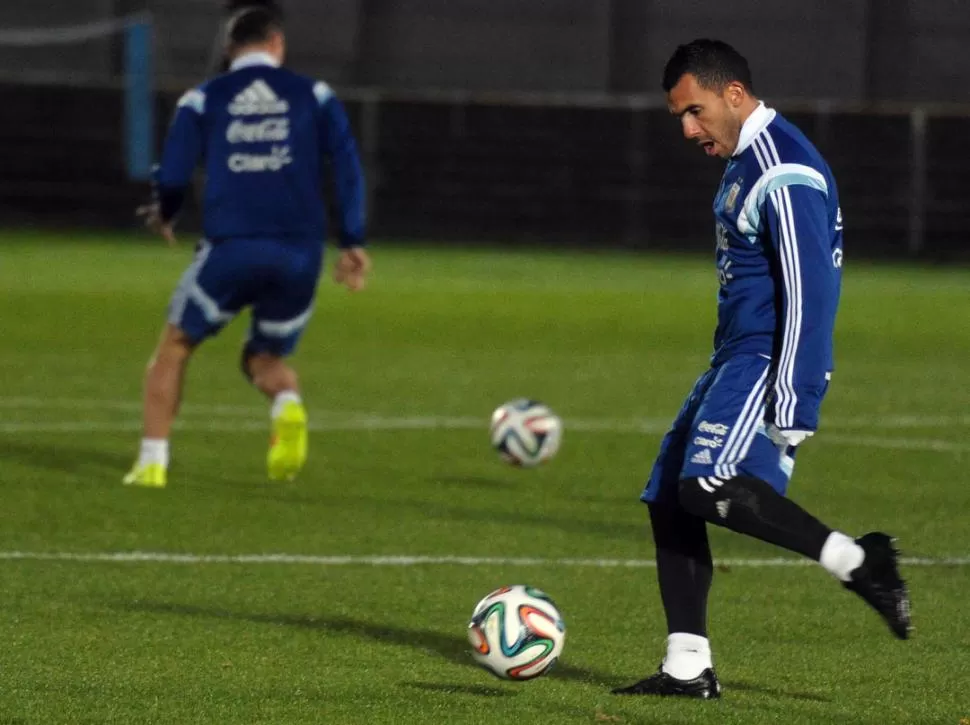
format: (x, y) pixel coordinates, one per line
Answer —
(797, 220)
(180, 156)
(340, 148)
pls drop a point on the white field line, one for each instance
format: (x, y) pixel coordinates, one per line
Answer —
(237, 418)
(381, 423)
(898, 444)
(28, 403)
(875, 421)
(135, 557)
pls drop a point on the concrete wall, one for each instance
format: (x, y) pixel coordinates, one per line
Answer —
(796, 49)
(909, 50)
(92, 58)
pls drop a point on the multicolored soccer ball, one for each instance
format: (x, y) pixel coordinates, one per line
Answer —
(525, 432)
(516, 633)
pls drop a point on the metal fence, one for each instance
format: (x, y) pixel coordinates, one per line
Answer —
(615, 168)
(559, 168)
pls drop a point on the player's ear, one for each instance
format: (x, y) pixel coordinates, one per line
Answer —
(735, 93)
(277, 43)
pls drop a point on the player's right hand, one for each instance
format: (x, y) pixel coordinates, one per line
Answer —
(153, 220)
(352, 268)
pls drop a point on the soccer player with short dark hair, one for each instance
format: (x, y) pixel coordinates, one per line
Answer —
(729, 455)
(264, 136)
(219, 60)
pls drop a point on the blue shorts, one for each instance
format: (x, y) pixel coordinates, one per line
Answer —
(277, 279)
(720, 432)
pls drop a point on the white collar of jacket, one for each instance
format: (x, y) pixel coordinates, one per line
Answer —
(255, 58)
(755, 124)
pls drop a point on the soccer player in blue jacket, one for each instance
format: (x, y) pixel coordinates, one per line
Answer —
(728, 458)
(264, 136)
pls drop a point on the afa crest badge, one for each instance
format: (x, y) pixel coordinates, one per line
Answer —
(731, 200)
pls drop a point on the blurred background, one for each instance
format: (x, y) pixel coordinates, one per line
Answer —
(509, 120)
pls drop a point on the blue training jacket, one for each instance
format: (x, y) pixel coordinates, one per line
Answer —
(264, 135)
(779, 262)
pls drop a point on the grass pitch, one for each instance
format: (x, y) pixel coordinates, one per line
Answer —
(400, 381)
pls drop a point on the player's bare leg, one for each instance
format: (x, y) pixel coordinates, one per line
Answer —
(163, 382)
(271, 375)
(163, 395)
(288, 442)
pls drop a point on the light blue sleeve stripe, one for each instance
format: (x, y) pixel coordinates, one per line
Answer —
(194, 99)
(323, 92)
(774, 178)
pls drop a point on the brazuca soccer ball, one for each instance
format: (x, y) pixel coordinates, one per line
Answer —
(516, 633)
(525, 432)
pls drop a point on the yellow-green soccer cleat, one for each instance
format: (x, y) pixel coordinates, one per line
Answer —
(288, 444)
(149, 475)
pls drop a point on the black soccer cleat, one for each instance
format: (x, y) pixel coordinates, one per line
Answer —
(703, 687)
(878, 582)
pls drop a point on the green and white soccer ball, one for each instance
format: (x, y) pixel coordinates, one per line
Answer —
(525, 432)
(516, 633)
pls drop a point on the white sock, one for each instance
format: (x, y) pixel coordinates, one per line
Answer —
(841, 555)
(153, 450)
(687, 655)
(281, 399)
